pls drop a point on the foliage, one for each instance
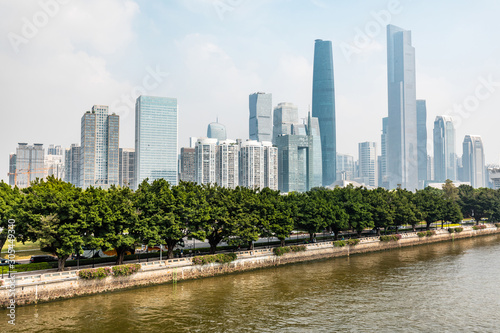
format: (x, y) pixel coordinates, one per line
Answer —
(126, 270)
(221, 258)
(421, 234)
(451, 230)
(459, 229)
(339, 243)
(95, 273)
(497, 225)
(27, 267)
(353, 241)
(9, 201)
(279, 251)
(430, 233)
(479, 227)
(390, 238)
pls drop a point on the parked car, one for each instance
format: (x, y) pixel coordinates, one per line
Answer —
(5, 262)
(42, 258)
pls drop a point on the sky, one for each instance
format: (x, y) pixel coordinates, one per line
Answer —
(58, 58)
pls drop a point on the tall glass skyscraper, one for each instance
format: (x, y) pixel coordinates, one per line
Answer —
(216, 131)
(323, 107)
(368, 163)
(156, 139)
(99, 152)
(285, 115)
(261, 118)
(384, 180)
(473, 161)
(402, 147)
(422, 142)
(445, 160)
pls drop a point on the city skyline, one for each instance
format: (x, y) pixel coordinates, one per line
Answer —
(285, 71)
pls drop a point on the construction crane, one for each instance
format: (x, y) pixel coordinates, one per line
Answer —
(28, 174)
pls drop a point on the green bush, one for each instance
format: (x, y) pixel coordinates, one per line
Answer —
(430, 233)
(451, 230)
(390, 238)
(479, 227)
(221, 258)
(459, 229)
(353, 241)
(298, 248)
(421, 234)
(279, 251)
(95, 273)
(339, 243)
(126, 270)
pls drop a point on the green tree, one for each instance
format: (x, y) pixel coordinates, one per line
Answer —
(9, 200)
(53, 215)
(382, 208)
(358, 208)
(430, 202)
(277, 211)
(330, 209)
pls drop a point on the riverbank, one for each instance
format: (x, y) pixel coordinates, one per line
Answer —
(35, 288)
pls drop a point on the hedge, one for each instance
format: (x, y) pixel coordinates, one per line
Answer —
(390, 238)
(339, 243)
(353, 241)
(421, 234)
(126, 270)
(479, 227)
(279, 251)
(95, 273)
(221, 258)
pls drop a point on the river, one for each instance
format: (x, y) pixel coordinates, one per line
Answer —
(444, 287)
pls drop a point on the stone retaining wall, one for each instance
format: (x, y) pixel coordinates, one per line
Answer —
(35, 288)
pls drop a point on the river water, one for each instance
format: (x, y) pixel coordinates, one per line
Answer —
(445, 287)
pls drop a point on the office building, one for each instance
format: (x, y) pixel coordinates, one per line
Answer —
(323, 107)
(270, 165)
(99, 152)
(368, 163)
(217, 131)
(55, 150)
(345, 167)
(54, 162)
(384, 176)
(127, 167)
(445, 160)
(227, 164)
(205, 159)
(285, 115)
(261, 121)
(402, 162)
(156, 139)
(72, 164)
(422, 142)
(474, 165)
(29, 164)
(187, 165)
(257, 159)
(12, 169)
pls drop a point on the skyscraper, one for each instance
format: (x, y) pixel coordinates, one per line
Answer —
(54, 162)
(473, 161)
(270, 165)
(285, 115)
(402, 162)
(12, 169)
(445, 160)
(323, 107)
(187, 165)
(72, 164)
(384, 180)
(227, 164)
(422, 142)
(217, 131)
(99, 148)
(127, 167)
(258, 165)
(261, 121)
(368, 163)
(205, 159)
(345, 167)
(29, 164)
(156, 139)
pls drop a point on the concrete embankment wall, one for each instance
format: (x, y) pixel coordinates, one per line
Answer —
(30, 289)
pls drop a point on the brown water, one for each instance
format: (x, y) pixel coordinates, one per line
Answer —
(446, 287)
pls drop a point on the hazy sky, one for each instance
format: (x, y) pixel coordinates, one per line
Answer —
(58, 58)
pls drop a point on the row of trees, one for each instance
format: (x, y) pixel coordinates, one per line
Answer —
(64, 218)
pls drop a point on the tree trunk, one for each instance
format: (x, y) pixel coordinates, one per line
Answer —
(282, 242)
(428, 225)
(3, 238)
(213, 245)
(61, 261)
(311, 236)
(120, 255)
(377, 231)
(250, 245)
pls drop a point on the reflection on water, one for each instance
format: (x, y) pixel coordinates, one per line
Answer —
(445, 287)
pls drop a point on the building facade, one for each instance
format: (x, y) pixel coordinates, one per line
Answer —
(402, 162)
(29, 164)
(217, 131)
(54, 162)
(422, 142)
(284, 116)
(205, 159)
(99, 148)
(187, 165)
(345, 167)
(127, 167)
(474, 166)
(227, 164)
(156, 139)
(323, 107)
(72, 164)
(261, 121)
(445, 158)
(368, 163)
(384, 178)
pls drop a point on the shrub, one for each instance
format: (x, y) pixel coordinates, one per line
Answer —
(451, 230)
(353, 241)
(430, 233)
(279, 251)
(221, 258)
(459, 229)
(497, 225)
(298, 248)
(421, 234)
(479, 227)
(95, 273)
(390, 238)
(339, 243)
(126, 270)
